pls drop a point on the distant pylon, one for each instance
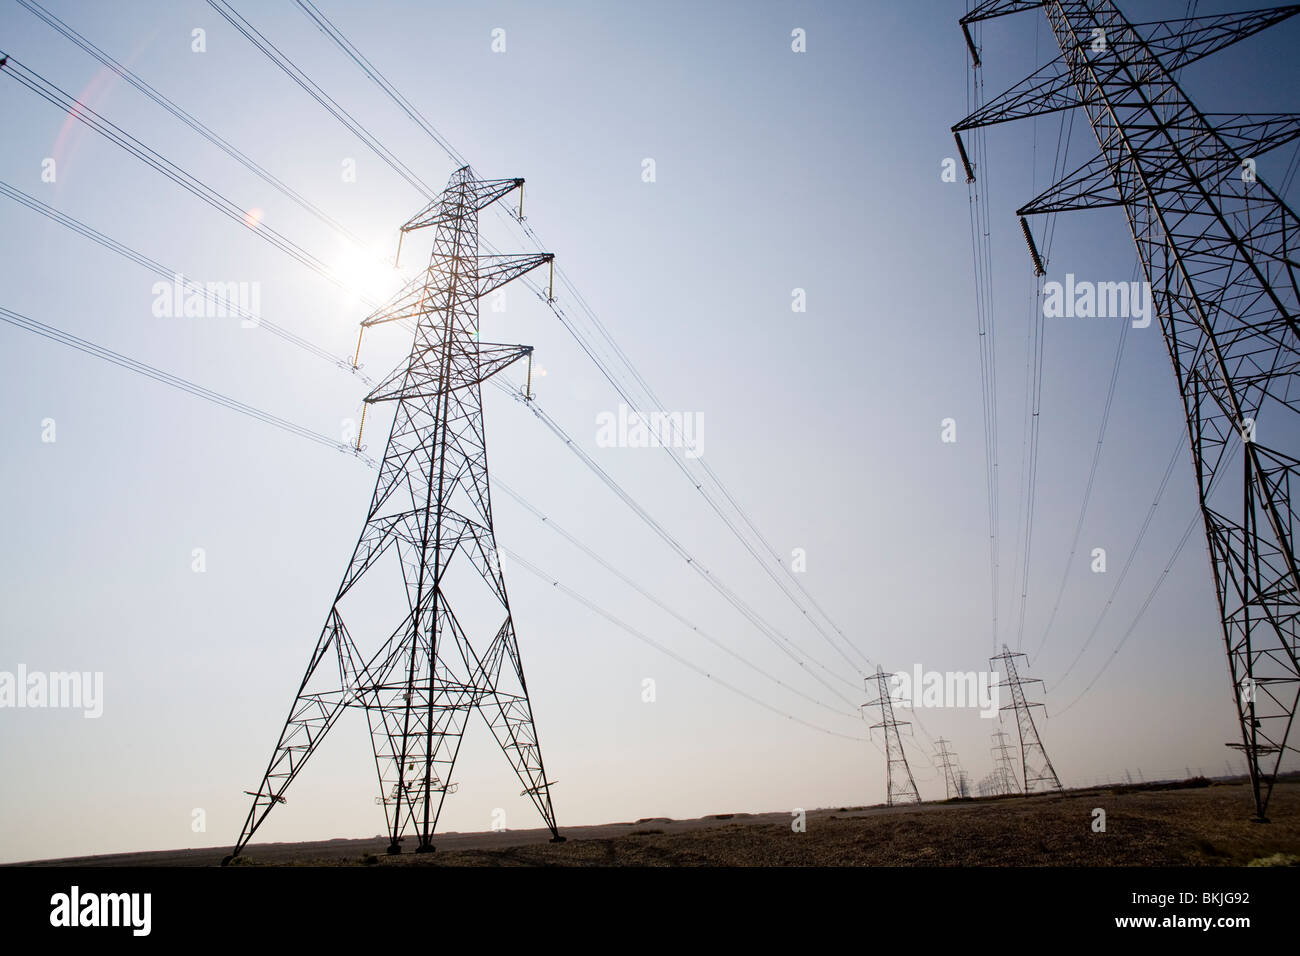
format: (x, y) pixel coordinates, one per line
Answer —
(447, 646)
(952, 776)
(1004, 772)
(1039, 774)
(900, 787)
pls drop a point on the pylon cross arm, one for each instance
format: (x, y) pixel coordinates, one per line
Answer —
(449, 206)
(422, 381)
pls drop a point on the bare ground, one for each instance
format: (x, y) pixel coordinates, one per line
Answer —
(1180, 826)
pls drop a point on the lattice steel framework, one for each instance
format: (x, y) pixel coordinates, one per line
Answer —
(431, 513)
(952, 774)
(1004, 765)
(899, 785)
(1038, 773)
(1218, 247)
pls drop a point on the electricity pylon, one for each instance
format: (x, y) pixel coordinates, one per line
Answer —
(952, 776)
(1218, 248)
(1039, 774)
(452, 648)
(1004, 764)
(899, 785)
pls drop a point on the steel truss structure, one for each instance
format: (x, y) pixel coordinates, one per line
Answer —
(1218, 248)
(430, 514)
(954, 782)
(1003, 778)
(900, 787)
(1038, 773)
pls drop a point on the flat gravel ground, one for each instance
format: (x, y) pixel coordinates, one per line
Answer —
(1179, 826)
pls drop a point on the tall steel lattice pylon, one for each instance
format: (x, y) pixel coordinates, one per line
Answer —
(899, 785)
(952, 775)
(1004, 765)
(431, 507)
(1039, 774)
(1218, 248)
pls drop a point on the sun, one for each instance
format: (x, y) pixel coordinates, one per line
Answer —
(366, 272)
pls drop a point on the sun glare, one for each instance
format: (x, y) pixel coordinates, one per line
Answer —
(366, 272)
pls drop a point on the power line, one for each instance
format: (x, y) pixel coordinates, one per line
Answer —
(560, 314)
(133, 365)
(273, 53)
(1034, 384)
(200, 189)
(985, 322)
(140, 259)
(1151, 596)
(156, 161)
(1119, 582)
(158, 269)
(1092, 475)
(189, 120)
(1033, 412)
(519, 499)
(158, 375)
(331, 31)
(771, 633)
(1155, 589)
(662, 649)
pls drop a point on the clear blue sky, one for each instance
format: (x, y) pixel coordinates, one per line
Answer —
(775, 171)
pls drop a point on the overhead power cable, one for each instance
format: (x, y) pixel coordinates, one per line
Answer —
(274, 54)
(333, 33)
(156, 161)
(1128, 564)
(197, 288)
(641, 636)
(1151, 596)
(1196, 521)
(57, 335)
(175, 381)
(157, 268)
(189, 120)
(1092, 477)
(986, 328)
(772, 634)
(550, 523)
